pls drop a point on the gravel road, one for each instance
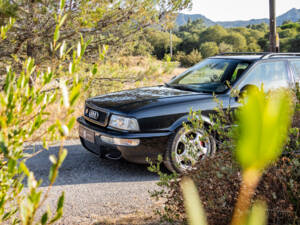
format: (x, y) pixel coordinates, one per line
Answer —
(95, 187)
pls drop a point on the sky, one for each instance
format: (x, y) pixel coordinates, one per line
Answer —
(229, 10)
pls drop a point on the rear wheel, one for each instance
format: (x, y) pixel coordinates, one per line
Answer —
(185, 148)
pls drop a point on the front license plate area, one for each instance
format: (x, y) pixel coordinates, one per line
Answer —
(87, 134)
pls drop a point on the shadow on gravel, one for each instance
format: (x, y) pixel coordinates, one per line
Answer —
(83, 167)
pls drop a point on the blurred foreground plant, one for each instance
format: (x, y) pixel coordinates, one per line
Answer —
(261, 133)
(24, 108)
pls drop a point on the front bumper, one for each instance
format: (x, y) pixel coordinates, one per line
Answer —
(150, 146)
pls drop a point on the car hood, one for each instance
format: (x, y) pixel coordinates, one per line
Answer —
(135, 99)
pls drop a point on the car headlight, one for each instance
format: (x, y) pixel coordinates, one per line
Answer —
(124, 123)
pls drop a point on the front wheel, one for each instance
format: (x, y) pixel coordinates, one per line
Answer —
(185, 148)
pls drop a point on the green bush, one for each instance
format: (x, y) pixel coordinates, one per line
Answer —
(223, 47)
(188, 60)
(26, 99)
(208, 49)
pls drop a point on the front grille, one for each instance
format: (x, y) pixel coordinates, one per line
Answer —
(96, 115)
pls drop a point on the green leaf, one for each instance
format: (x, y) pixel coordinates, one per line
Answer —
(2, 201)
(60, 202)
(45, 143)
(30, 65)
(62, 4)
(194, 209)
(59, 210)
(62, 156)
(94, 69)
(56, 34)
(62, 21)
(71, 123)
(11, 165)
(53, 173)
(44, 218)
(75, 94)
(263, 127)
(24, 168)
(52, 128)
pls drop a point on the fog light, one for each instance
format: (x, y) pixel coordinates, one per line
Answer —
(120, 141)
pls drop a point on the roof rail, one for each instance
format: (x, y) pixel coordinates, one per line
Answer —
(243, 53)
(270, 55)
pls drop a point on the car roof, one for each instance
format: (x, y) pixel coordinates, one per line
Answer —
(254, 56)
(240, 57)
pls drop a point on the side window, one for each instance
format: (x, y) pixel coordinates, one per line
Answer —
(239, 70)
(296, 68)
(271, 74)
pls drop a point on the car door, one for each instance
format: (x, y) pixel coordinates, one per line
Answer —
(271, 74)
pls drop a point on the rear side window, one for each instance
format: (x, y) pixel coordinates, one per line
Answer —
(271, 74)
(296, 68)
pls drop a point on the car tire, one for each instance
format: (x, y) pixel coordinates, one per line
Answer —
(176, 149)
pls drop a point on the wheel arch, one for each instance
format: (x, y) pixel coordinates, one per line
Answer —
(184, 119)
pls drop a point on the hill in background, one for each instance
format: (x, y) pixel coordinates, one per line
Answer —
(293, 15)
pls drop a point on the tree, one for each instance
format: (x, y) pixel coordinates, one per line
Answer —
(295, 45)
(111, 22)
(189, 42)
(223, 47)
(237, 40)
(253, 47)
(214, 33)
(161, 42)
(208, 49)
(24, 109)
(196, 26)
(261, 27)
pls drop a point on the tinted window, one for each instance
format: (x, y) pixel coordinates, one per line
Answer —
(296, 66)
(271, 74)
(239, 70)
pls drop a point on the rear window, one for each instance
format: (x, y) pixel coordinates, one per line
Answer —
(296, 68)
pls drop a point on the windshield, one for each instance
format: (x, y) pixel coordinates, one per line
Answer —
(211, 75)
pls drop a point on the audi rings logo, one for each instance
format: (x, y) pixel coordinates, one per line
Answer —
(93, 114)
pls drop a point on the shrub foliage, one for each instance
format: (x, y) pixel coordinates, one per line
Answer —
(218, 179)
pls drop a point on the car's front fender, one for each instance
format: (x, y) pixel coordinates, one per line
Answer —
(185, 119)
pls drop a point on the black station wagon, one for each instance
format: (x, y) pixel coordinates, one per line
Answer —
(143, 123)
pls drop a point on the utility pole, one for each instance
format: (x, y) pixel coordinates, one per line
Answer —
(273, 26)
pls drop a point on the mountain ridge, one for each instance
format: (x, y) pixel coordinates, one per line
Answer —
(293, 15)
